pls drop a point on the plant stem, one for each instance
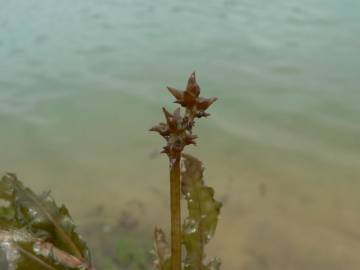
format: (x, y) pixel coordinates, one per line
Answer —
(175, 214)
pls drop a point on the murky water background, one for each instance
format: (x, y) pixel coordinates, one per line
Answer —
(82, 81)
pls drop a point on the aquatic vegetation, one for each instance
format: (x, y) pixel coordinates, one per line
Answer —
(37, 234)
(199, 227)
(203, 210)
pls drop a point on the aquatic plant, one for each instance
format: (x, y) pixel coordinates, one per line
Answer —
(37, 234)
(199, 227)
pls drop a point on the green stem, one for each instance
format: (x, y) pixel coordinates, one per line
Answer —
(175, 214)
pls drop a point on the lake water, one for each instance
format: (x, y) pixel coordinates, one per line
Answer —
(82, 81)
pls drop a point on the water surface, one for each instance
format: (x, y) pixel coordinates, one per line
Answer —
(82, 81)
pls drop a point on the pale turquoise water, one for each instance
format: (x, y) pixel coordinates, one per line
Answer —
(81, 82)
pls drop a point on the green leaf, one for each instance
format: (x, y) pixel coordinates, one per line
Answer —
(35, 233)
(199, 227)
(162, 251)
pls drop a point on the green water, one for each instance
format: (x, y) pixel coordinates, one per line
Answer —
(82, 81)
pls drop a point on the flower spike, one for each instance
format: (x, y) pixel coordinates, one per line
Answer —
(177, 130)
(190, 98)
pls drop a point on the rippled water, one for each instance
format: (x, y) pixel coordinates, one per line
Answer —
(81, 82)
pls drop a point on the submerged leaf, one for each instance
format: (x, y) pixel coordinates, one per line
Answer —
(35, 233)
(9, 243)
(203, 210)
(18, 247)
(162, 251)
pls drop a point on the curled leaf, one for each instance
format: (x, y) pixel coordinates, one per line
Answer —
(162, 250)
(48, 250)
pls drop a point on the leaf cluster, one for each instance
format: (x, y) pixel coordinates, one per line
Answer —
(35, 233)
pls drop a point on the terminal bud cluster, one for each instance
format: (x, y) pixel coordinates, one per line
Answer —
(177, 131)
